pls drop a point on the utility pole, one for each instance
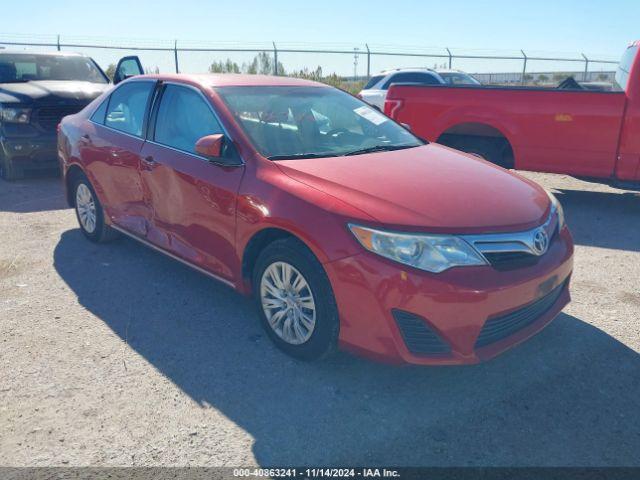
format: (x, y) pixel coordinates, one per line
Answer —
(356, 51)
(368, 61)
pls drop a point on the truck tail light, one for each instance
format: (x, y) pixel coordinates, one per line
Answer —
(392, 107)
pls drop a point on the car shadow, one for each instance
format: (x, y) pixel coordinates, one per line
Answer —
(32, 195)
(568, 396)
(603, 219)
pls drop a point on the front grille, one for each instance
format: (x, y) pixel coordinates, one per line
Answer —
(503, 326)
(511, 260)
(511, 250)
(48, 118)
(417, 336)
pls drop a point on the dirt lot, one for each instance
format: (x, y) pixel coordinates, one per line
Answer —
(116, 355)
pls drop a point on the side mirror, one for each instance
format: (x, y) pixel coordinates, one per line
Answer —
(210, 146)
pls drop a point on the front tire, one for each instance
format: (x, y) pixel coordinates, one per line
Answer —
(89, 212)
(7, 171)
(295, 301)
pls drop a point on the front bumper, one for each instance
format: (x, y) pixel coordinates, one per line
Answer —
(31, 153)
(455, 304)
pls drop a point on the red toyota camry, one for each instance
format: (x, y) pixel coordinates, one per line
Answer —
(346, 229)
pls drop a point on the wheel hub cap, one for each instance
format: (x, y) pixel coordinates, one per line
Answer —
(86, 208)
(288, 303)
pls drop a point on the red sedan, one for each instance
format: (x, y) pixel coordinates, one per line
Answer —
(347, 229)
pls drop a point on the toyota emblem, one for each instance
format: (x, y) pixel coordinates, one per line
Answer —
(540, 242)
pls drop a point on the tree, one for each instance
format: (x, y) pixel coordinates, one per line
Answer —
(227, 66)
(110, 71)
(262, 64)
(251, 68)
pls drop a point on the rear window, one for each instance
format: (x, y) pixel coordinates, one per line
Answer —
(622, 74)
(372, 81)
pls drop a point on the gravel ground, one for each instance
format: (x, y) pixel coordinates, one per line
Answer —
(115, 355)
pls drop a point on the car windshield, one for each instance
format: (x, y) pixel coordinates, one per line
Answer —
(455, 78)
(305, 122)
(23, 67)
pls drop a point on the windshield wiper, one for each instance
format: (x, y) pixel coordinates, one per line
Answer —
(295, 156)
(379, 148)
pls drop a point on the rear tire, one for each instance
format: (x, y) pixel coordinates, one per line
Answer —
(297, 309)
(493, 149)
(89, 212)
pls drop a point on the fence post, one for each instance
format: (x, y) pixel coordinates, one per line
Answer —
(58, 42)
(586, 67)
(175, 55)
(450, 58)
(368, 61)
(524, 66)
(275, 59)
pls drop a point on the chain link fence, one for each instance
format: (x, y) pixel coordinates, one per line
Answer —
(349, 63)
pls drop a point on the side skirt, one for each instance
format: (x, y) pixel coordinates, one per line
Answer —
(175, 257)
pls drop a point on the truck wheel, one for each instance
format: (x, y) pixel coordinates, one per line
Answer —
(7, 171)
(495, 150)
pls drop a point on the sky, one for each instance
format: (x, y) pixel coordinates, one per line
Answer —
(602, 29)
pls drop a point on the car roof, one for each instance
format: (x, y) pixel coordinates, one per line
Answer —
(450, 70)
(235, 80)
(414, 69)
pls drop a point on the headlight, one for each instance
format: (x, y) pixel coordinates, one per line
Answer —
(433, 253)
(15, 115)
(557, 206)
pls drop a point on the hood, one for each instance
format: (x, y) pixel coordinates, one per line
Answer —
(430, 188)
(46, 91)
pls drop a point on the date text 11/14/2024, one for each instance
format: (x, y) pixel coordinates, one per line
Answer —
(309, 473)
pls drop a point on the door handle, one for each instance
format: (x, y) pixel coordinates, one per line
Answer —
(148, 162)
(86, 137)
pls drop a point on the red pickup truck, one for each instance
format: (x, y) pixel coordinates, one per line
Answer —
(572, 129)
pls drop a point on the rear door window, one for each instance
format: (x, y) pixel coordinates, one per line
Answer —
(372, 81)
(412, 77)
(184, 117)
(128, 106)
(99, 115)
